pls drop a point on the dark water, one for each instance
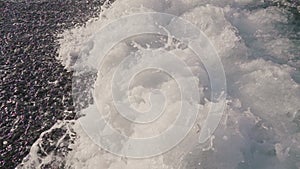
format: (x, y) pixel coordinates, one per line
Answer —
(30, 102)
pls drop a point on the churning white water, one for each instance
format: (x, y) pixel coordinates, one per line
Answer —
(260, 126)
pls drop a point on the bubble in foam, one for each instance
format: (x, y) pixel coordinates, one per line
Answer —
(119, 140)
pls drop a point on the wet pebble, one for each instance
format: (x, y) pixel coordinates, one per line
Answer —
(32, 82)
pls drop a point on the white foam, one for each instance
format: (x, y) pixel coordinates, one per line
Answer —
(258, 129)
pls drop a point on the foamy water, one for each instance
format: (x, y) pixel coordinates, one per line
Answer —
(260, 125)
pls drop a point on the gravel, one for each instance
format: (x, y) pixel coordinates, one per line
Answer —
(35, 89)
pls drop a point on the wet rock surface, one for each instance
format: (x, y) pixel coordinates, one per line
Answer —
(35, 89)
